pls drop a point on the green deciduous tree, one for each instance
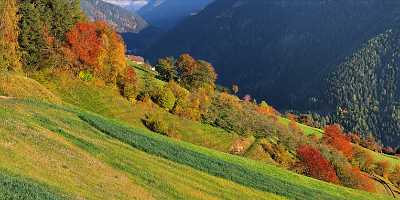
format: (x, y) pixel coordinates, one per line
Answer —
(166, 68)
(43, 26)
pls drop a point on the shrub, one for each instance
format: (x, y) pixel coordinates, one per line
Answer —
(196, 104)
(316, 165)
(382, 168)
(394, 177)
(363, 159)
(180, 93)
(129, 84)
(278, 153)
(156, 123)
(164, 98)
(355, 138)
(335, 138)
(370, 143)
(362, 181)
(388, 151)
(85, 76)
(348, 175)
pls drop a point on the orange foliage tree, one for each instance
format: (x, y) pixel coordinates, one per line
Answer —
(85, 43)
(266, 109)
(95, 47)
(335, 138)
(316, 165)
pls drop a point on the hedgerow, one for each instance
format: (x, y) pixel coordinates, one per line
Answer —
(18, 188)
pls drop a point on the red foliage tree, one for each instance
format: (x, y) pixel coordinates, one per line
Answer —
(335, 138)
(316, 165)
(85, 42)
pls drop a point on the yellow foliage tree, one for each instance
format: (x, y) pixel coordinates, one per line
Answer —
(9, 55)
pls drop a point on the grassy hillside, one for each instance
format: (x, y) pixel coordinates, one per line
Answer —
(68, 154)
(106, 101)
(112, 160)
(69, 144)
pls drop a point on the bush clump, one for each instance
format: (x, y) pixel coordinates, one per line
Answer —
(316, 165)
(164, 97)
(157, 123)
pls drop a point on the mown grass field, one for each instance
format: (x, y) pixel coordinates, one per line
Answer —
(84, 155)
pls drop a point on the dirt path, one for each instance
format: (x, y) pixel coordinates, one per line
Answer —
(390, 189)
(5, 97)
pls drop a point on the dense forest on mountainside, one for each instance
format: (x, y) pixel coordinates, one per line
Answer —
(366, 90)
(123, 20)
(285, 52)
(278, 50)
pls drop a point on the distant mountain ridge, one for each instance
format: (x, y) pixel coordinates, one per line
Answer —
(133, 5)
(284, 52)
(278, 50)
(123, 20)
(168, 13)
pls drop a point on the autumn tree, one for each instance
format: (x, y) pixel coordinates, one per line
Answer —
(265, 109)
(335, 138)
(316, 165)
(128, 84)
(95, 47)
(394, 176)
(194, 74)
(85, 44)
(166, 69)
(9, 48)
(111, 61)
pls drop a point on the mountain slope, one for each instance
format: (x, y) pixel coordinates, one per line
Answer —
(113, 160)
(278, 50)
(62, 139)
(132, 5)
(166, 14)
(123, 20)
(366, 88)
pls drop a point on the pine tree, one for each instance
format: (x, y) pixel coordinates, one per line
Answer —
(9, 53)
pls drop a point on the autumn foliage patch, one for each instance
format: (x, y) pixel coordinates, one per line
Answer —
(335, 138)
(316, 165)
